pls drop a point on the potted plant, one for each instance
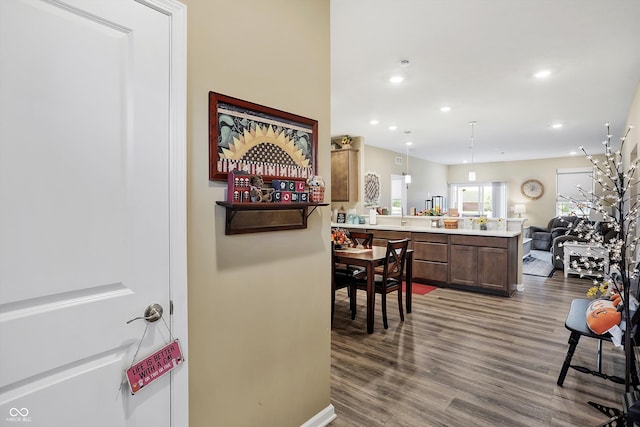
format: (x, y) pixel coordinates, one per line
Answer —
(482, 222)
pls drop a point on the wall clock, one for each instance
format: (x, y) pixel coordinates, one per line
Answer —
(532, 189)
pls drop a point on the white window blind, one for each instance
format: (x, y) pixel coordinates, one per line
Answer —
(568, 181)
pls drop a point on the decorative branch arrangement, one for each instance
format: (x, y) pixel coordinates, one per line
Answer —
(619, 207)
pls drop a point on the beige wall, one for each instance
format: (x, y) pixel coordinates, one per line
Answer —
(515, 173)
(259, 304)
(428, 178)
(633, 139)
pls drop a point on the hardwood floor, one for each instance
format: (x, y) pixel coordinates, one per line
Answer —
(466, 359)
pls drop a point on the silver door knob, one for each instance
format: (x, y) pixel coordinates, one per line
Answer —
(151, 314)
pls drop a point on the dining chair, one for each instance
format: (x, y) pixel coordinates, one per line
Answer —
(390, 278)
(576, 323)
(340, 280)
(359, 239)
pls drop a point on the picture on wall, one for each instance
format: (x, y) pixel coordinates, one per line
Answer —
(372, 189)
(260, 140)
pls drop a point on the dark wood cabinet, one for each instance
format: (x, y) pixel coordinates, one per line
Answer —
(344, 175)
(488, 264)
(492, 273)
(464, 265)
(430, 257)
(472, 262)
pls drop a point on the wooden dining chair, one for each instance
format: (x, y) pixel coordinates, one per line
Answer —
(390, 279)
(576, 323)
(359, 239)
(340, 280)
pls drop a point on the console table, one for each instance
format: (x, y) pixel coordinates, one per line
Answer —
(577, 249)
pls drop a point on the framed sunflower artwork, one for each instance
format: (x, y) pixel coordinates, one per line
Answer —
(260, 140)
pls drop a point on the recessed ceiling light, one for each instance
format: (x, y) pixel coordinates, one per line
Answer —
(393, 127)
(573, 153)
(374, 122)
(465, 161)
(542, 74)
(557, 125)
(408, 143)
(396, 79)
(445, 109)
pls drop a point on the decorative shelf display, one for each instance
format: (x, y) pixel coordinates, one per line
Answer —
(259, 217)
(285, 205)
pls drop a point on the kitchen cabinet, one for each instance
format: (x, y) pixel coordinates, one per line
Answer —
(344, 175)
(471, 260)
(487, 264)
(430, 257)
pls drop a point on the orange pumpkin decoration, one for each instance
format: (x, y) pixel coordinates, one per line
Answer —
(602, 315)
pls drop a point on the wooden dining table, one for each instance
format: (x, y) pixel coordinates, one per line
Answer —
(370, 259)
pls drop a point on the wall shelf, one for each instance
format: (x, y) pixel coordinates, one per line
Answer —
(259, 217)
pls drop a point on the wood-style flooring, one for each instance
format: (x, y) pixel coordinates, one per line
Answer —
(467, 359)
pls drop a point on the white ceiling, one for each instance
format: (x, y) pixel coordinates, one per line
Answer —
(479, 57)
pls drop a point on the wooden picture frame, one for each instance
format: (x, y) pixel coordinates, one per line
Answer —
(261, 140)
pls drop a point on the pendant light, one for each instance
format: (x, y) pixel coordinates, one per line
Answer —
(472, 173)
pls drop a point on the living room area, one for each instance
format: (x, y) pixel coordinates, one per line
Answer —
(503, 356)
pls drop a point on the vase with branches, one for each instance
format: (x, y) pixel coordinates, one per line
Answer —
(619, 208)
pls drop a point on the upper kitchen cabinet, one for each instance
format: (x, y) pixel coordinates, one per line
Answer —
(345, 175)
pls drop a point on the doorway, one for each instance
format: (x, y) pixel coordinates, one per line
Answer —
(398, 195)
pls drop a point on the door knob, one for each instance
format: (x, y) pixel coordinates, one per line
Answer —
(151, 314)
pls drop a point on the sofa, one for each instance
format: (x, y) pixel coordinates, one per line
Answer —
(542, 238)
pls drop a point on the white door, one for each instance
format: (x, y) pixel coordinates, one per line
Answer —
(91, 209)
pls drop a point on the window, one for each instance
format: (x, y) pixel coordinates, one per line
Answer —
(486, 199)
(569, 198)
(398, 195)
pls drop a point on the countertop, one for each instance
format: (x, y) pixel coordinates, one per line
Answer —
(426, 228)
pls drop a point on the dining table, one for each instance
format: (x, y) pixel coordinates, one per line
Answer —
(370, 259)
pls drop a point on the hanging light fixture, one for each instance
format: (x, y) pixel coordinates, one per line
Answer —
(407, 177)
(472, 173)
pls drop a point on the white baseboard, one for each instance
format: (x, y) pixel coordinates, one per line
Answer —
(322, 418)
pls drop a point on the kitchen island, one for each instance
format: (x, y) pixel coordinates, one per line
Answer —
(488, 261)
